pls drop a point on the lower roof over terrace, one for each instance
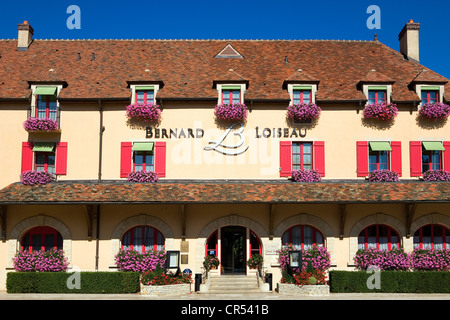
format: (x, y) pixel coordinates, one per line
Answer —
(226, 191)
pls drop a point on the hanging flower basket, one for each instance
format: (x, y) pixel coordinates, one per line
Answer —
(145, 112)
(383, 176)
(306, 175)
(40, 124)
(303, 112)
(231, 112)
(435, 111)
(142, 176)
(36, 177)
(436, 175)
(381, 111)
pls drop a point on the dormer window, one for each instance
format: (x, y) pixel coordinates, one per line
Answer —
(44, 102)
(302, 93)
(377, 94)
(144, 94)
(430, 94)
(231, 93)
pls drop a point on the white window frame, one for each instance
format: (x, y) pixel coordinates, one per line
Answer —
(292, 86)
(221, 87)
(133, 91)
(420, 87)
(33, 96)
(367, 87)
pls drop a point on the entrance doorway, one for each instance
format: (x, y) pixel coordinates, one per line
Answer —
(233, 250)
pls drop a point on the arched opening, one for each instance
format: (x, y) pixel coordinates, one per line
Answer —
(303, 237)
(378, 236)
(143, 238)
(42, 238)
(432, 236)
(233, 245)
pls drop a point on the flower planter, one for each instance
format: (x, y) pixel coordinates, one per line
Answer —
(36, 177)
(307, 290)
(234, 112)
(142, 176)
(304, 113)
(36, 125)
(436, 175)
(381, 111)
(306, 176)
(383, 176)
(144, 112)
(166, 290)
(434, 111)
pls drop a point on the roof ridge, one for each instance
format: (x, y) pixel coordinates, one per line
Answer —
(206, 40)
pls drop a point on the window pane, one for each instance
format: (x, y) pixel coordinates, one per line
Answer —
(126, 242)
(149, 97)
(49, 241)
(149, 238)
(371, 97)
(149, 162)
(37, 242)
(137, 239)
(296, 148)
(236, 97)
(285, 239)
(138, 161)
(307, 148)
(424, 96)
(394, 242)
(159, 241)
(140, 97)
(297, 97)
(296, 236)
(306, 96)
(308, 237)
(381, 96)
(361, 243)
(436, 159)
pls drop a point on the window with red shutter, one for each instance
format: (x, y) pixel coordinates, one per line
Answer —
(285, 158)
(362, 158)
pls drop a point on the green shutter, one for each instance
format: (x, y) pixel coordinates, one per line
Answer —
(380, 146)
(143, 146)
(45, 91)
(142, 88)
(433, 145)
(44, 147)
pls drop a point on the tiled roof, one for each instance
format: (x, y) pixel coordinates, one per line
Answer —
(121, 192)
(188, 67)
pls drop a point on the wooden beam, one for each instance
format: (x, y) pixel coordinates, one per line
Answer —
(343, 216)
(410, 209)
(90, 215)
(183, 222)
(271, 216)
(3, 210)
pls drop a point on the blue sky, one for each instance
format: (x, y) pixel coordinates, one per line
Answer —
(233, 19)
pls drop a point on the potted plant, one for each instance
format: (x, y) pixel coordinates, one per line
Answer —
(231, 112)
(303, 112)
(255, 261)
(211, 262)
(434, 111)
(143, 111)
(381, 111)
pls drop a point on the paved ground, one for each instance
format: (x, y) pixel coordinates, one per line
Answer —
(270, 296)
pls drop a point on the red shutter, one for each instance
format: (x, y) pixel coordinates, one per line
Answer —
(396, 157)
(27, 156)
(285, 158)
(125, 158)
(160, 159)
(415, 158)
(319, 157)
(362, 158)
(61, 158)
(446, 156)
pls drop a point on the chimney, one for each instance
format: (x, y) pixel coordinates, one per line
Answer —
(409, 40)
(25, 36)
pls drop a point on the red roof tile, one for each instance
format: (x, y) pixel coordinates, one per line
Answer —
(188, 67)
(227, 192)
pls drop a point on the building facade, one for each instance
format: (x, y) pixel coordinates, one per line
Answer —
(224, 188)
